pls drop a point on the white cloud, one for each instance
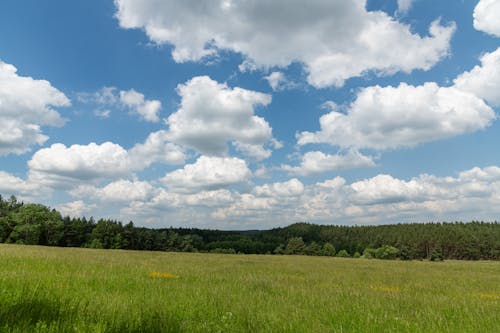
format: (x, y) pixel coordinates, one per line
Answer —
(26, 105)
(208, 173)
(105, 96)
(290, 188)
(24, 190)
(402, 116)
(315, 162)
(278, 81)
(110, 97)
(60, 166)
(147, 109)
(210, 198)
(486, 17)
(64, 166)
(404, 6)
(484, 80)
(201, 200)
(75, 208)
(335, 40)
(118, 191)
(156, 149)
(385, 189)
(278, 201)
(212, 114)
(473, 194)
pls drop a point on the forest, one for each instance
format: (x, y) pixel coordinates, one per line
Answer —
(36, 224)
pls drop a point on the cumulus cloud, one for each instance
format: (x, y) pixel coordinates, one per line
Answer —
(484, 80)
(63, 166)
(290, 188)
(60, 166)
(381, 199)
(486, 14)
(118, 191)
(315, 162)
(147, 109)
(26, 104)
(134, 101)
(334, 40)
(205, 198)
(402, 116)
(12, 185)
(156, 149)
(211, 200)
(277, 198)
(208, 173)
(404, 6)
(211, 114)
(278, 81)
(75, 208)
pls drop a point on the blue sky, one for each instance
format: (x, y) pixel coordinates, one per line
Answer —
(242, 115)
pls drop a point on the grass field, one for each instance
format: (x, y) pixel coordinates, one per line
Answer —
(82, 290)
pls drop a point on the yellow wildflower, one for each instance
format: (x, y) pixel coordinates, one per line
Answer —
(490, 296)
(161, 275)
(385, 289)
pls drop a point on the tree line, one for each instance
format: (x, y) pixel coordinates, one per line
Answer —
(36, 224)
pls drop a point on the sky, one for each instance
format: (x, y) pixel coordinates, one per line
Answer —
(236, 114)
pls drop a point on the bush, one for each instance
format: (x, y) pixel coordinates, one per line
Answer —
(280, 249)
(386, 252)
(328, 250)
(369, 253)
(343, 254)
(313, 249)
(295, 245)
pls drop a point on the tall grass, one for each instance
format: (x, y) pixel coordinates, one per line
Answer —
(82, 290)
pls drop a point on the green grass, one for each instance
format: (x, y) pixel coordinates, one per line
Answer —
(46, 289)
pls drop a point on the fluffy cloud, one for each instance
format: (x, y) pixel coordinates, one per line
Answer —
(278, 198)
(201, 200)
(486, 16)
(404, 6)
(208, 173)
(335, 40)
(75, 208)
(402, 116)
(291, 188)
(472, 194)
(25, 106)
(110, 97)
(12, 185)
(118, 191)
(156, 149)
(210, 198)
(484, 80)
(64, 167)
(278, 81)
(59, 165)
(212, 114)
(315, 162)
(147, 109)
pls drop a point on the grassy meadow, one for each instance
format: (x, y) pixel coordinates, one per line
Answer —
(45, 289)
